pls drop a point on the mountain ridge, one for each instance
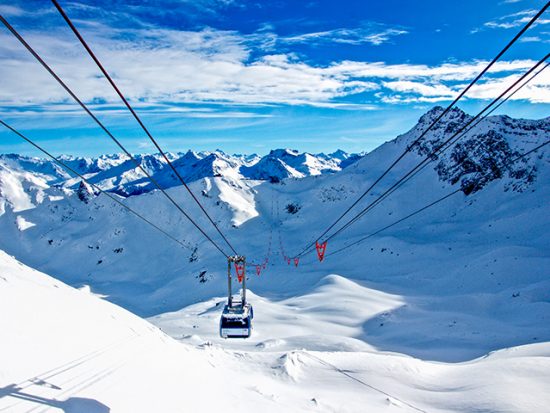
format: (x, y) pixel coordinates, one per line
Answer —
(117, 173)
(498, 140)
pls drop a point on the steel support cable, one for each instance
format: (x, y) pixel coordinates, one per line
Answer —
(448, 145)
(138, 119)
(477, 123)
(97, 188)
(536, 148)
(361, 240)
(445, 111)
(378, 201)
(496, 107)
(428, 158)
(104, 128)
(396, 222)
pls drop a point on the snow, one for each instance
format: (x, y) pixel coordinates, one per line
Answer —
(119, 174)
(239, 199)
(447, 312)
(326, 318)
(20, 189)
(23, 224)
(13, 192)
(78, 353)
(84, 354)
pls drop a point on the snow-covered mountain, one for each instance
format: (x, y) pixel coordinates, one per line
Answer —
(285, 163)
(447, 311)
(486, 153)
(119, 174)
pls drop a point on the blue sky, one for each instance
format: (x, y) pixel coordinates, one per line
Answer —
(249, 76)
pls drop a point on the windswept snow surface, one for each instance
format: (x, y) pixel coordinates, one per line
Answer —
(446, 312)
(67, 350)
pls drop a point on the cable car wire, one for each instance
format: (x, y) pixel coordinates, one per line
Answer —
(496, 107)
(382, 198)
(138, 119)
(430, 156)
(97, 188)
(396, 222)
(104, 128)
(446, 145)
(427, 206)
(445, 111)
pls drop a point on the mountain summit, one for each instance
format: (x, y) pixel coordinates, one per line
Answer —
(118, 174)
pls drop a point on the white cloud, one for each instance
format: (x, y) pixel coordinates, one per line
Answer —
(9, 11)
(530, 39)
(537, 91)
(164, 65)
(444, 72)
(372, 35)
(536, 39)
(515, 20)
(423, 89)
(162, 70)
(144, 144)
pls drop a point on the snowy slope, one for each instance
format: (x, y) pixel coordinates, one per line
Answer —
(280, 164)
(271, 168)
(414, 310)
(70, 351)
(69, 232)
(19, 189)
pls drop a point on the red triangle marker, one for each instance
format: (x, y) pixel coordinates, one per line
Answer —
(321, 248)
(239, 268)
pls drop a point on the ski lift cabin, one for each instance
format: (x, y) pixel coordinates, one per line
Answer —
(236, 321)
(237, 315)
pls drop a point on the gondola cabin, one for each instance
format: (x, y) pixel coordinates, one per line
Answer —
(237, 314)
(236, 321)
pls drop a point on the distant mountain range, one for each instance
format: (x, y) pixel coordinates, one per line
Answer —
(486, 153)
(119, 174)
